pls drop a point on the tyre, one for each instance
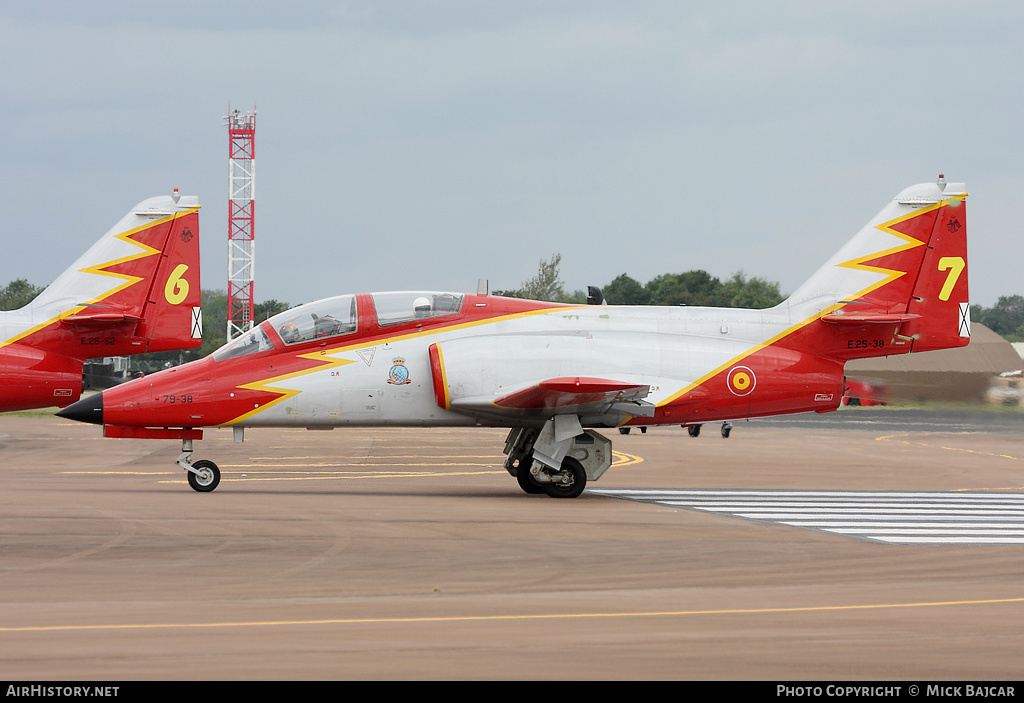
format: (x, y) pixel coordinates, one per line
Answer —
(525, 480)
(576, 481)
(205, 478)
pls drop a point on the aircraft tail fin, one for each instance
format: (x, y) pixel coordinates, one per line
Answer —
(142, 274)
(900, 284)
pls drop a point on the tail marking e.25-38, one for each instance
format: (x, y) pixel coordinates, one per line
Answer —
(552, 373)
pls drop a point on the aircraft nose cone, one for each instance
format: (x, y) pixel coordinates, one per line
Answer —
(88, 409)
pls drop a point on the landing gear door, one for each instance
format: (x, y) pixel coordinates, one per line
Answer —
(593, 451)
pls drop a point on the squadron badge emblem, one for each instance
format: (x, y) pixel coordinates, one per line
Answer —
(399, 374)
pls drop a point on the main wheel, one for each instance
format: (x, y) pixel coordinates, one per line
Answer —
(205, 478)
(525, 480)
(694, 430)
(570, 481)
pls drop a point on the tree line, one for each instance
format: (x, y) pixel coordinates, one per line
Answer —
(1005, 318)
(688, 288)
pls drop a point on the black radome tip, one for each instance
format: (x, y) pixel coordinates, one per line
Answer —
(88, 409)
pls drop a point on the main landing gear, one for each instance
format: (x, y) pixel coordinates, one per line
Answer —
(203, 475)
(556, 461)
(694, 430)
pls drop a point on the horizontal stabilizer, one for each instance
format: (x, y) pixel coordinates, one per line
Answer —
(869, 319)
(98, 315)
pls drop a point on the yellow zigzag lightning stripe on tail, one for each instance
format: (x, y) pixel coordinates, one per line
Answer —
(147, 251)
(128, 280)
(856, 264)
(908, 243)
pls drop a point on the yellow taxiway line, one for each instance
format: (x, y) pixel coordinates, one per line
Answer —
(496, 618)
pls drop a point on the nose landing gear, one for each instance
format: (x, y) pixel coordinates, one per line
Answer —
(203, 475)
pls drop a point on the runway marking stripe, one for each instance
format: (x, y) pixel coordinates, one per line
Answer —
(853, 511)
(495, 618)
(713, 493)
(728, 505)
(948, 540)
(1019, 532)
(896, 524)
(890, 517)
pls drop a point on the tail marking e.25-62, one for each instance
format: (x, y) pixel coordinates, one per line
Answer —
(136, 290)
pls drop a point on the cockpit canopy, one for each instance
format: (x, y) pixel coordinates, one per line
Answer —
(334, 317)
(253, 341)
(324, 318)
(405, 306)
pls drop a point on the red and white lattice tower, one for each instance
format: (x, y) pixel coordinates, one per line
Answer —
(241, 218)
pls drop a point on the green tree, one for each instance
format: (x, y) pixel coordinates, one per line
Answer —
(1005, 318)
(546, 285)
(757, 293)
(625, 291)
(689, 288)
(215, 322)
(17, 294)
(266, 310)
(697, 288)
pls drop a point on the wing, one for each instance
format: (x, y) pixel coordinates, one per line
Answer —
(580, 394)
(592, 398)
(459, 387)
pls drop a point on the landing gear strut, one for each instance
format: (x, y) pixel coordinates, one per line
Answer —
(203, 475)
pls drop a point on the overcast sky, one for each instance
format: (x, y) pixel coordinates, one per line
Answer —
(417, 144)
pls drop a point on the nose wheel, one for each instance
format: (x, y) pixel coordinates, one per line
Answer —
(204, 476)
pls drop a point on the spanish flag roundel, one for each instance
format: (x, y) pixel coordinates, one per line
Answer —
(741, 380)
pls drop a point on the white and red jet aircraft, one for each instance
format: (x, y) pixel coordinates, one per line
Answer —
(549, 372)
(136, 290)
